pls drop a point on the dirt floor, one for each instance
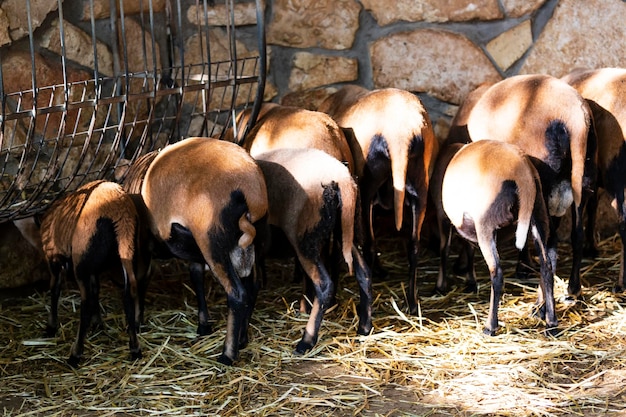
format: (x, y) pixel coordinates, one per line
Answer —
(435, 364)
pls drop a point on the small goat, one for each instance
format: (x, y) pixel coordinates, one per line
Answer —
(312, 199)
(605, 91)
(394, 163)
(84, 232)
(489, 185)
(293, 127)
(236, 133)
(205, 196)
(280, 127)
(551, 123)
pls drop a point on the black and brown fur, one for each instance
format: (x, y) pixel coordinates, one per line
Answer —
(205, 197)
(394, 162)
(605, 91)
(86, 232)
(293, 127)
(489, 185)
(313, 200)
(551, 123)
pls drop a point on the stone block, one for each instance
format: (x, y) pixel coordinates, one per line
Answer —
(443, 64)
(518, 8)
(509, 46)
(312, 70)
(329, 24)
(102, 8)
(18, 18)
(78, 47)
(387, 12)
(310, 99)
(586, 34)
(219, 15)
(5, 38)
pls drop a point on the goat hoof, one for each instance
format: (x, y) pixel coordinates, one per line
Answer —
(570, 300)
(225, 360)
(591, 252)
(441, 291)
(460, 268)
(204, 329)
(618, 288)
(73, 361)
(488, 332)
(470, 288)
(135, 355)
(303, 347)
(49, 332)
(364, 330)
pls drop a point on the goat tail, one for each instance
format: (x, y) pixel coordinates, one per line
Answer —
(248, 229)
(398, 173)
(348, 195)
(526, 193)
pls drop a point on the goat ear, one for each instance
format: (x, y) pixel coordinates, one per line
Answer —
(355, 146)
(355, 149)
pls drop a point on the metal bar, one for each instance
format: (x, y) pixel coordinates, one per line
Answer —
(262, 46)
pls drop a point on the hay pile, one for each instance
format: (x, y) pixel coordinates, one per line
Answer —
(436, 364)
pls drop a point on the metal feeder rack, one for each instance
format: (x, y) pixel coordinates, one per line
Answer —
(170, 70)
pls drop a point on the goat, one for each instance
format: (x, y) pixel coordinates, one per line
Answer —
(488, 185)
(205, 197)
(293, 127)
(394, 160)
(551, 123)
(605, 91)
(236, 133)
(313, 199)
(83, 232)
(281, 127)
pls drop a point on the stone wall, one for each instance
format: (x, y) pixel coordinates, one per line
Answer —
(438, 49)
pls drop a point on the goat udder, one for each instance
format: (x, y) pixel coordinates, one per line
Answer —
(243, 260)
(560, 199)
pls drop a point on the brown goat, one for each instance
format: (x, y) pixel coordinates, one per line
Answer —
(280, 127)
(235, 134)
(83, 232)
(293, 127)
(313, 199)
(489, 185)
(550, 122)
(205, 196)
(605, 91)
(394, 163)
